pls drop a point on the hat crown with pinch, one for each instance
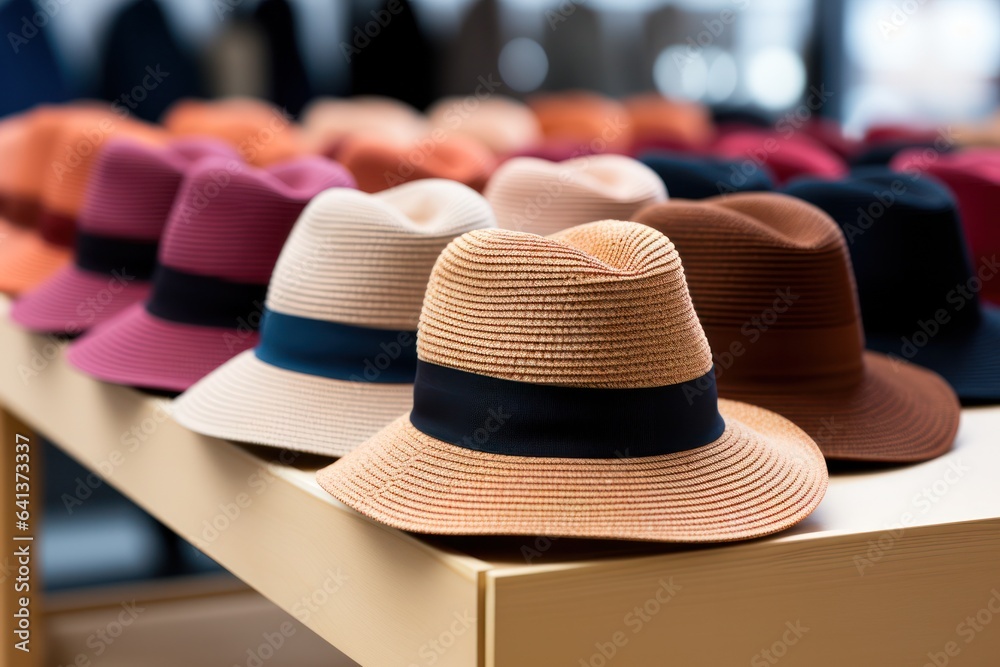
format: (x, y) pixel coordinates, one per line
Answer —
(363, 259)
(601, 305)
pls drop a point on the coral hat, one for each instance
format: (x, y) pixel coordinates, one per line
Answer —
(919, 296)
(26, 259)
(533, 195)
(52, 171)
(71, 162)
(378, 163)
(565, 388)
(129, 197)
(27, 154)
(583, 122)
(973, 176)
(262, 133)
(337, 351)
(658, 123)
(14, 140)
(771, 279)
(221, 241)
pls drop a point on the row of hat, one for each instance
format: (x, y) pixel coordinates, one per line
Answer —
(495, 364)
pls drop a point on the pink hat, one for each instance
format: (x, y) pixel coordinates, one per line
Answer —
(222, 239)
(784, 156)
(126, 206)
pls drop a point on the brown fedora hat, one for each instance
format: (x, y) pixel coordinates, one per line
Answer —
(772, 283)
(559, 392)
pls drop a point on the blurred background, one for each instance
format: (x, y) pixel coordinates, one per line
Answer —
(885, 61)
(869, 62)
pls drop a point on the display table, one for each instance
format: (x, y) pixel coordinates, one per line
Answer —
(887, 570)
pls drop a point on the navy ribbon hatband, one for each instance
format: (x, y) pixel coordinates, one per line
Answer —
(337, 351)
(499, 416)
(189, 298)
(105, 254)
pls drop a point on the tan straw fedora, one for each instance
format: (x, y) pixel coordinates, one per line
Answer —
(337, 351)
(534, 195)
(565, 388)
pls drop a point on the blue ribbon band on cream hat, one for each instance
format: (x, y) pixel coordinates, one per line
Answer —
(337, 351)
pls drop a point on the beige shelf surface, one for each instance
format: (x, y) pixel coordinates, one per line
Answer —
(884, 572)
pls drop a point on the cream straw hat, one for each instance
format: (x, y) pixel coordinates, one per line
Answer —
(535, 195)
(337, 351)
(565, 388)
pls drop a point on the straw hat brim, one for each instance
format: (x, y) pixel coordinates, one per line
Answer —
(249, 400)
(761, 476)
(74, 300)
(27, 260)
(969, 361)
(138, 349)
(898, 413)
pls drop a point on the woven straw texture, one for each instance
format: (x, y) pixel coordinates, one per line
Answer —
(771, 279)
(601, 305)
(533, 195)
(352, 258)
(134, 185)
(230, 221)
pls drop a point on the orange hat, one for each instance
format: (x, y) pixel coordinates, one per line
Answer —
(27, 141)
(26, 259)
(263, 133)
(73, 153)
(13, 137)
(378, 164)
(658, 122)
(583, 119)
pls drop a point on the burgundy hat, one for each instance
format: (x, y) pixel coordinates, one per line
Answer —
(126, 206)
(784, 156)
(973, 176)
(221, 242)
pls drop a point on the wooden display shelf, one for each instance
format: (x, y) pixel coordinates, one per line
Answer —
(200, 621)
(885, 572)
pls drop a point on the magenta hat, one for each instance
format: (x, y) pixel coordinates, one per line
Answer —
(126, 206)
(221, 242)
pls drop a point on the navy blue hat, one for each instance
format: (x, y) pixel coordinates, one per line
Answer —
(700, 177)
(30, 71)
(919, 296)
(883, 153)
